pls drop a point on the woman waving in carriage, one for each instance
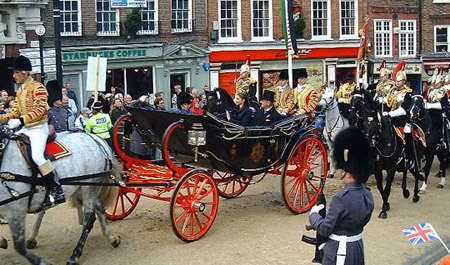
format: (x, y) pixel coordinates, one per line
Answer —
(243, 114)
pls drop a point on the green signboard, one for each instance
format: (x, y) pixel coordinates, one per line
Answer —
(110, 54)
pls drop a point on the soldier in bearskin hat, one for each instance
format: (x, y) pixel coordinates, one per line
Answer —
(184, 102)
(267, 114)
(58, 116)
(351, 208)
(30, 112)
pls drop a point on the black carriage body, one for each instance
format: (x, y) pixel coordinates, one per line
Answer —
(229, 148)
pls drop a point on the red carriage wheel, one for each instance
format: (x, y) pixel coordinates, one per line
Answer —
(194, 204)
(303, 173)
(126, 201)
(230, 186)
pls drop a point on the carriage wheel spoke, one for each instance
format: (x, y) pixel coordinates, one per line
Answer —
(199, 223)
(207, 216)
(123, 204)
(128, 198)
(183, 214)
(313, 159)
(299, 186)
(191, 220)
(204, 195)
(301, 195)
(186, 220)
(308, 196)
(312, 185)
(293, 188)
(116, 204)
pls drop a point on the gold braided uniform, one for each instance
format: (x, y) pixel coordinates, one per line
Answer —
(395, 94)
(308, 99)
(285, 100)
(436, 95)
(383, 88)
(31, 104)
(346, 92)
(243, 84)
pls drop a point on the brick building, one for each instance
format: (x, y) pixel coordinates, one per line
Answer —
(436, 34)
(394, 35)
(168, 48)
(254, 28)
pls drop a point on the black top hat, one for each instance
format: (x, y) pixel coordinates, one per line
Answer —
(21, 63)
(302, 73)
(98, 105)
(54, 92)
(283, 75)
(184, 98)
(268, 95)
(351, 153)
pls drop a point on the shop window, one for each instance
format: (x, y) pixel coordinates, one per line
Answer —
(349, 19)
(321, 28)
(442, 38)
(230, 20)
(107, 19)
(262, 20)
(407, 38)
(383, 37)
(181, 16)
(70, 17)
(149, 17)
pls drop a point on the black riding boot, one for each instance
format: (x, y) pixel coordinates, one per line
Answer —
(55, 192)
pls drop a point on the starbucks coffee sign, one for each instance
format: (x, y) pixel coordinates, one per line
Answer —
(71, 56)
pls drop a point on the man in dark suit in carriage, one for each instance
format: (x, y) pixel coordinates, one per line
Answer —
(267, 114)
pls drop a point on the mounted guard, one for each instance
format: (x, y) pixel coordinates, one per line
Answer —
(345, 94)
(384, 85)
(307, 96)
(31, 112)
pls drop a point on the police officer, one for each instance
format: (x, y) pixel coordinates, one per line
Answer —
(351, 208)
(30, 112)
(99, 123)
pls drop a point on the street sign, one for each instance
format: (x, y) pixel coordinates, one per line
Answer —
(128, 3)
(49, 68)
(34, 44)
(34, 56)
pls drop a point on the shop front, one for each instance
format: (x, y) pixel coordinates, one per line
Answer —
(137, 69)
(432, 62)
(267, 62)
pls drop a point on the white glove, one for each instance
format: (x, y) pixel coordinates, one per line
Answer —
(385, 113)
(14, 123)
(316, 208)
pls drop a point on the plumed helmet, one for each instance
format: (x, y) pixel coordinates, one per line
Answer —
(268, 95)
(302, 73)
(54, 92)
(351, 153)
(98, 105)
(399, 74)
(22, 63)
(184, 98)
(245, 68)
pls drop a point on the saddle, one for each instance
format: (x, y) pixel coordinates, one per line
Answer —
(417, 133)
(54, 150)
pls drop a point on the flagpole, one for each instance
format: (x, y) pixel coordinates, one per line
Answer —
(291, 78)
(440, 239)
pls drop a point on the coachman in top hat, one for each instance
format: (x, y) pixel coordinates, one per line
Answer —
(31, 112)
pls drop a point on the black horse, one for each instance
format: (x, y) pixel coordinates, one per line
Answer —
(219, 101)
(387, 149)
(437, 136)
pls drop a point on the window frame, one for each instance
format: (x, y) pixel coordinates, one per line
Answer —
(155, 20)
(183, 30)
(435, 37)
(349, 36)
(407, 43)
(110, 33)
(440, 1)
(238, 37)
(390, 37)
(80, 28)
(321, 37)
(270, 26)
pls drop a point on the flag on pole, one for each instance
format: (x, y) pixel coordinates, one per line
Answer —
(362, 51)
(287, 9)
(420, 233)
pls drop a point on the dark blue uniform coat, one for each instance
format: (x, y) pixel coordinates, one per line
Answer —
(242, 116)
(350, 210)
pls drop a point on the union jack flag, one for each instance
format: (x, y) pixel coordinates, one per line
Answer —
(420, 233)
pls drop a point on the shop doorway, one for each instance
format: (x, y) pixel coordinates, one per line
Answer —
(177, 79)
(6, 75)
(139, 81)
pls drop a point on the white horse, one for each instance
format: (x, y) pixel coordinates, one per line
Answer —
(91, 161)
(334, 122)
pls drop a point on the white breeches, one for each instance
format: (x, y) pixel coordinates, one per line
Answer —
(38, 140)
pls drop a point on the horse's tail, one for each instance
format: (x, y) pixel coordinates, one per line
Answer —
(107, 194)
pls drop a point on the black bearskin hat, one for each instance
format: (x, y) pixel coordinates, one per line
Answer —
(98, 105)
(184, 98)
(351, 153)
(302, 73)
(268, 95)
(283, 75)
(22, 63)
(54, 92)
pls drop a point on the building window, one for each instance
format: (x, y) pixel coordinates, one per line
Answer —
(349, 19)
(70, 17)
(407, 37)
(320, 19)
(262, 20)
(383, 37)
(442, 38)
(181, 16)
(149, 17)
(107, 19)
(230, 20)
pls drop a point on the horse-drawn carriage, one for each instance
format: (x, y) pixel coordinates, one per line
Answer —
(204, 157)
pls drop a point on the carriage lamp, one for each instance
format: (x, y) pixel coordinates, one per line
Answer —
(197, 135)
